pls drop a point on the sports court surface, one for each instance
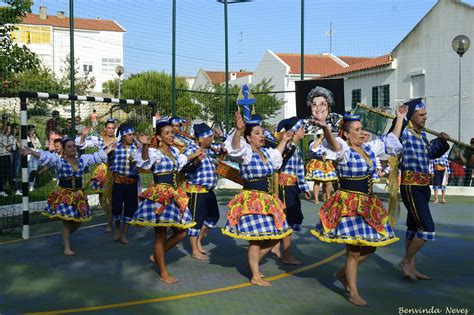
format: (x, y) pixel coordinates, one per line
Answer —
(107, 277)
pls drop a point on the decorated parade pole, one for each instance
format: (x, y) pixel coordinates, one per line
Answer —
(388, 115)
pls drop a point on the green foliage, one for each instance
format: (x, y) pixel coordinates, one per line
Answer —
(13, 58)
(83, 83)
(213, 104)
(41, 79)
(156, 86)
(110, 87)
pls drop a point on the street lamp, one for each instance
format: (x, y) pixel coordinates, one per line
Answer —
(460, 45)
(119, 70)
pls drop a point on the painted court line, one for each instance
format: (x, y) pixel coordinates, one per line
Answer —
(48, 234)
(193, 294)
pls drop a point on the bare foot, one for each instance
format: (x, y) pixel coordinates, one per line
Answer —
(342, 279)
(69, 252)
(199, 256)
(168, 279)
(108, 229)
(444, 201)
(117, 235)
(316, 201)
(202, 250)
(152, 258)
(123, 240)
(291, 261)
(407, 270)
(276, 252)
(358, 300)
(421, 276)
(436, 201)
(260, 282)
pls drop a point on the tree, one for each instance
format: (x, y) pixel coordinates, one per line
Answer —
(110, 87)
(213, 104)
(83, 83)
(13, 58)
(41, 79)
(156, 86)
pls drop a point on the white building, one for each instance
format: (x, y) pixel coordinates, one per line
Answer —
(424, 65)
(98, 43)
(208, 78)
(283, 69)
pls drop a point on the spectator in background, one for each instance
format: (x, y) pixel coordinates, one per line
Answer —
(52, 126)
(15, 144)
(469, 156)
(456, 165)
(67, 131)
(5, 162)
(4, 122)
(94, 120)
(34, 143)
(79, 125)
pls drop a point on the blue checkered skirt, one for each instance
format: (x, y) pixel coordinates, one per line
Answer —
(171, 216)
(68, 205)
(256, 227)
(355, 231)
(321, 170)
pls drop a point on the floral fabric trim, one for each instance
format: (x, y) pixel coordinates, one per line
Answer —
(287, 179)
(197, 189)
(415, 178)
(342, 204)
(74, 198)
(256, 202)
(164, 194)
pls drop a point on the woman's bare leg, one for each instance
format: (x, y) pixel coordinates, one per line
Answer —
(159, 255)
(351, 267)
(254, 256)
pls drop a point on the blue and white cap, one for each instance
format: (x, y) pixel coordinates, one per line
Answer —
(202, 130)
(290, 124)
(124, 130)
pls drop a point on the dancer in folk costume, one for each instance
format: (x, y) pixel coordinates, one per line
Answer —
(291, 182)
(200, 183)
(256, 214)
(163, 204)
(102, 178)
(414, 187)
(125, 186)
(320, 169)
(181, 138)
(68, 202)
(440, 170)
(354, 215)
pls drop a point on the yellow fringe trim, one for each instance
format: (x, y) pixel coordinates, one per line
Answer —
(354, 242)
(163, 224)
(256, 238)
(65, 218)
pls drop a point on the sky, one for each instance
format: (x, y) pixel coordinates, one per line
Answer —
(362, 28)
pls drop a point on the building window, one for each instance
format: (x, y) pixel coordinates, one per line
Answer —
(356, 97)
(32, 35)
(87, 68)
(109, 64)
(417, 86)
(381, 96)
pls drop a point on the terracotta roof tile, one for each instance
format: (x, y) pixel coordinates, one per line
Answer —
(85, 24)
(364, 65)
(313, 64)
(217, 77)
